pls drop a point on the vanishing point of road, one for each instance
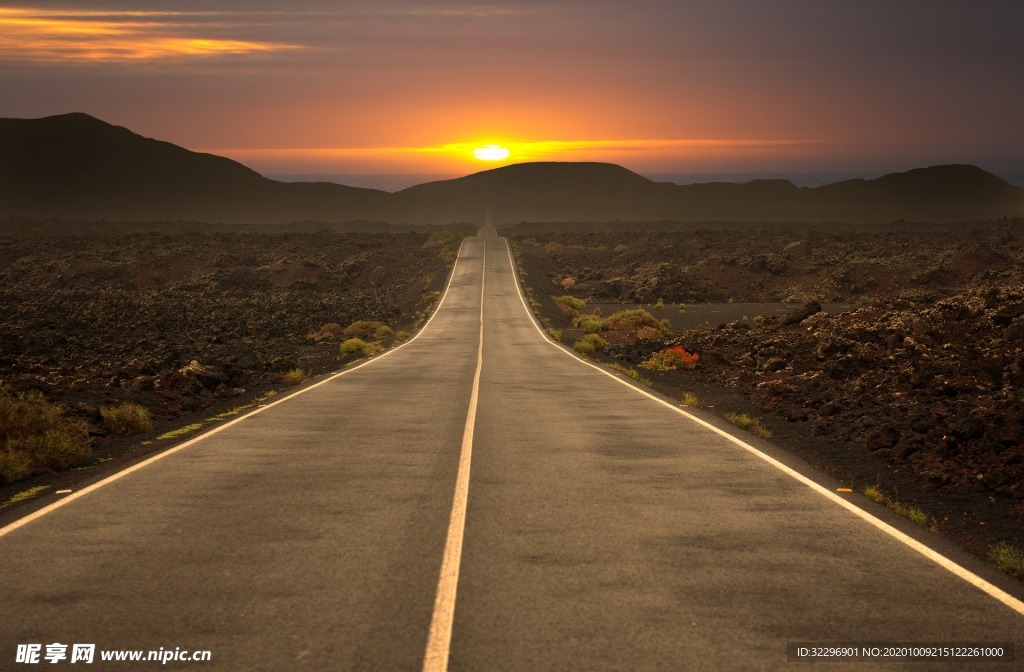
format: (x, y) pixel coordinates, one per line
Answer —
(476, 500)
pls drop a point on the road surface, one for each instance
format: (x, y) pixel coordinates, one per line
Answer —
(476, 503)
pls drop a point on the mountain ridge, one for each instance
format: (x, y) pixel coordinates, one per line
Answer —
(75, 166)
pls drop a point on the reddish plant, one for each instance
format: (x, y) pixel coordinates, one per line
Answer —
(671, 359)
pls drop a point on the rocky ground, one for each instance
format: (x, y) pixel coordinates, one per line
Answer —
(188, 319)
(916, 391)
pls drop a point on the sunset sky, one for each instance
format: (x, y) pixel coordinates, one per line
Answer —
(389, 86)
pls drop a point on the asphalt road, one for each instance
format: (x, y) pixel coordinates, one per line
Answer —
(603, 531)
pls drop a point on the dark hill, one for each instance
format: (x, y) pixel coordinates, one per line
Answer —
(542, 191)
(78, 167)
(74, 166)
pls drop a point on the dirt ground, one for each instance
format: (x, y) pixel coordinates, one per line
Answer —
(915, 389)
(193, 320)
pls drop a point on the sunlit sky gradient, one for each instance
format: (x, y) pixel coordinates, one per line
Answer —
(327, 86)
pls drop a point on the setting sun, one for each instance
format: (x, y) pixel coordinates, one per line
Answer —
(491, 153)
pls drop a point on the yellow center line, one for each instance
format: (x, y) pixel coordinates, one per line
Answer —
(439, 638)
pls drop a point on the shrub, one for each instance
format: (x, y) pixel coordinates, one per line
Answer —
(35, 436)
(633, 320)
(671, 359)
(583, 347)
(295, 376)
(555, 334)
(401, 335)
(364, 329)
(648, 334)
(326, 331)
(353, 345)
(126, 418)
(568, 304)
(690, 399)
(660, 304)
(591, 326)
(442, 239)
(596, 342)
(382, 332)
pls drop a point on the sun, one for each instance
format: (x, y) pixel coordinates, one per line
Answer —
(491, 153)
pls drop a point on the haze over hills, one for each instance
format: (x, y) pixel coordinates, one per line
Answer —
(74, 166)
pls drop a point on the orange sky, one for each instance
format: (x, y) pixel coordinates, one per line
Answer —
(318, 86)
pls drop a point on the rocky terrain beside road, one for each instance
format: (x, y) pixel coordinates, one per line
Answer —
(916, 393)
(191, 319)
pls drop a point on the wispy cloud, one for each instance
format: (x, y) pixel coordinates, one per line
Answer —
(36, 35)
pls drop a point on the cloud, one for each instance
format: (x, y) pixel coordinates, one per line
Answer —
(34, 35)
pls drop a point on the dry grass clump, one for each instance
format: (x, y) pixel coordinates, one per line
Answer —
(358, 345)
(36, 436)
(632, 321)
(331, 330)
(295, 376)
(570, 305)
(367, 329)
(1010, 558)
(126, 418)
(752, 425)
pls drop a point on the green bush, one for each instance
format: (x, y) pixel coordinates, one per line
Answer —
(35, 436)
(353, 345)
(569, 303)
(401, 335)
(126, 418)
(555, 334)
(632, 321)
(583, 347)
(382, 332)
(364, 329)
(592, 326)
(590, 343)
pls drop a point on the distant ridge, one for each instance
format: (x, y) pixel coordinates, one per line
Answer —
(74, 166)
(77, 167)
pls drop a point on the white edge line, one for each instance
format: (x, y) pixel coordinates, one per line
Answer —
(439, 637)
(170, 451)
(933, 555)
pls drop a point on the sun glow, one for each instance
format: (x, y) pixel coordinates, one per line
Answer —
(456, 157)
(491, 153)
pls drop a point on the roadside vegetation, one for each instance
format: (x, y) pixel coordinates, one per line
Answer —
(446, 242)
(126, 418)
(295, 376)
(1008, 557)
(37, 436)
(749, 424)
(630, 373)
(916, 515)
